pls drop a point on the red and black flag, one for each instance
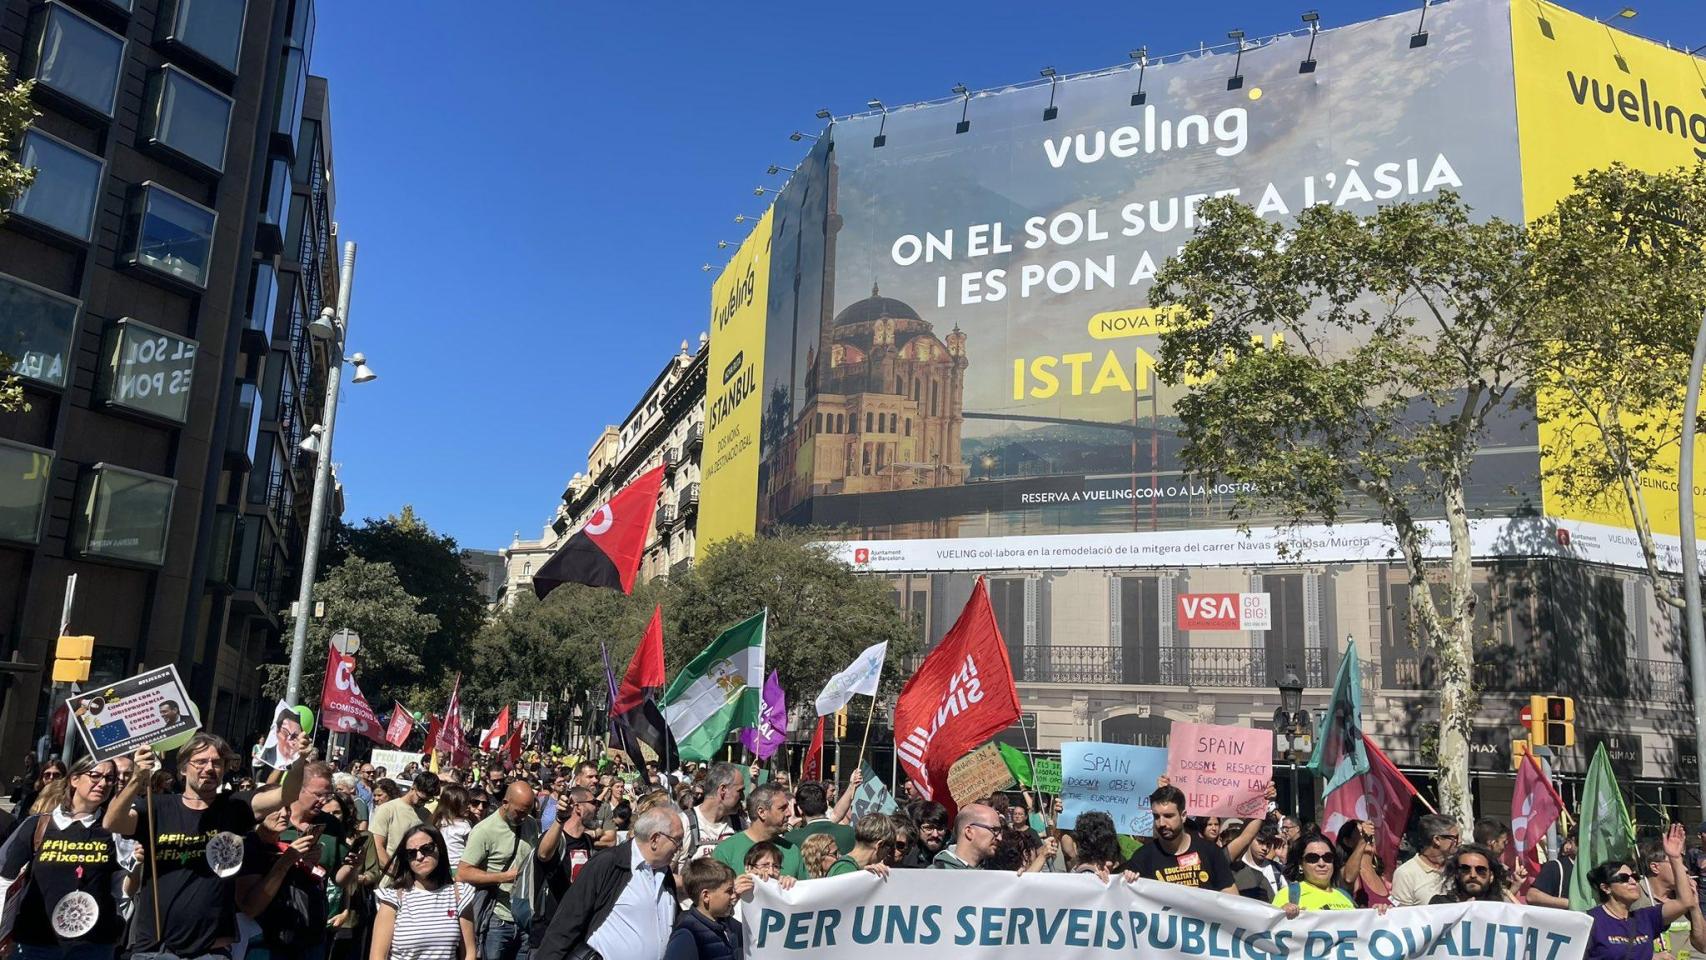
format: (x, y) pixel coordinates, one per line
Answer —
(634, 714)
(605, 552)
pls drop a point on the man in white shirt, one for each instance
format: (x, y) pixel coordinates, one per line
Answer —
(623, 905)
(1422, 877)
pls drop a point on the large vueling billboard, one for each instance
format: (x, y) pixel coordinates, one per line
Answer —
(960, 350)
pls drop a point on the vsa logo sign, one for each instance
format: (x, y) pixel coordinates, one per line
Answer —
(1224, 611)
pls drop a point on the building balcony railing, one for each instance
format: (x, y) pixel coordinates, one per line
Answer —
(689, 499)
(665, 517)
(695, 436)
(1524, 673)
(1169, 666)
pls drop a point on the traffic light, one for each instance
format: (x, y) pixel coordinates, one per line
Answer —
(1552, 721)
(71, 659)
(841, 724)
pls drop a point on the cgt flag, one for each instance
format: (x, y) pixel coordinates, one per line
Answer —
(605, 552)
(961, 696)
(342, 707)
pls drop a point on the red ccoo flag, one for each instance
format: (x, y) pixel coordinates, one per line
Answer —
(812, 768)
(342, 707)
(1535, 806)
(961, 696)
(402, 724)
(605, 552)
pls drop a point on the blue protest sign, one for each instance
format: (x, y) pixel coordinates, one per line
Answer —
(1111, 777)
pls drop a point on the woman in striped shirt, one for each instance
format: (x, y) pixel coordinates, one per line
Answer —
(424, 914)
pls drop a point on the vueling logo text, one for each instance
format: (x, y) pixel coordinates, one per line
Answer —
(1638, 106)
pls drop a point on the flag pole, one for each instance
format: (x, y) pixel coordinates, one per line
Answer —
(860, 764)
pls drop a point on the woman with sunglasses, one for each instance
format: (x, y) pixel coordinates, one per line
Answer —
(1621, 931)
(424, 914)
(51, 772)
(69, 909)
(1312, 866)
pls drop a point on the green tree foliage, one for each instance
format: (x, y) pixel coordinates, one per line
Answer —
(429, 566)
(822, 613)
(1403, 337)
(1618, 288)
(368, 598)
(16, 116)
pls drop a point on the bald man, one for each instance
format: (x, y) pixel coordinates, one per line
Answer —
(976, 830)
(498, 853)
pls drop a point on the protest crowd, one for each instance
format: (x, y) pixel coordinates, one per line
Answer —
(659, 843)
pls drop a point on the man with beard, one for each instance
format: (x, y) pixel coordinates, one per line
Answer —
(1177, 855)
(196, 844)
(931, 819)
(497, 856)
(1473, 873)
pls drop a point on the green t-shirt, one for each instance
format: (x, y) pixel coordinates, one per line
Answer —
(732, 852)
(495, 846)
(843, 865)
(841, 833)
(392, 820)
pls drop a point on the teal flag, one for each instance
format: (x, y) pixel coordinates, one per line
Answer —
(1339, 753)
(1604, 832)
(873, 795)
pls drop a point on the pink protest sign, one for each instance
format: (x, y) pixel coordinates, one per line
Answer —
(1224, 771)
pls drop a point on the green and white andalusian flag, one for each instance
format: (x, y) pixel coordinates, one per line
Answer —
(719, 691)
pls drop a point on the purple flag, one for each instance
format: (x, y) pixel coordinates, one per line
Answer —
(772, 726)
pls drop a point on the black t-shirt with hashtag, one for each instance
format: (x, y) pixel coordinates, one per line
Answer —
(198, 908)
(79, 857)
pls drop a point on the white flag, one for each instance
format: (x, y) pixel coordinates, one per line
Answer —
(861, 676)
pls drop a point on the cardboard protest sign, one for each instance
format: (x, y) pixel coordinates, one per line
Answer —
(1047, 771)
(1224, 771)
(1111, 777)
(978, 774)
(146, 709)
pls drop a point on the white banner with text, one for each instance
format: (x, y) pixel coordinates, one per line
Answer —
(913, 913)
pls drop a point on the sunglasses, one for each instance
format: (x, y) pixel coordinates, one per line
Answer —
(1623, 878)
(51, 775)
(1479, 870)
(1319, 858)
(425, 851)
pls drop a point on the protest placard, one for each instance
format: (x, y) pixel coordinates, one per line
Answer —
(279, 748)
(146, 709)
(978, 774)
(395, 760)
(989, 914)
(1224, 771)
(1048, 774)
(1111, 777)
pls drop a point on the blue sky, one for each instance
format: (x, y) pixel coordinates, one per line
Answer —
(535, 186)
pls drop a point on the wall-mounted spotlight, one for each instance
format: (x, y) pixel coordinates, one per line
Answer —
(744, 217)
(724, 244)
(1420, 37)
(1236, 81)
(776, 168)
(965, 104)
(1626, 13)
(1313, 18)
(824, 114)
(705, 268)
(881, 137)
(1053, 82)
(797, 136)
(1141, 55)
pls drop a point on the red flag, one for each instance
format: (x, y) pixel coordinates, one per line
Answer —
(513, 746)
(493, 736)
(402, 724)
(645, 668)
(1381, 796)
(342, 707)
(961, 696)
(433, 724)
(452, 742)
(605, 552)
(812, 768)
(1535, 806)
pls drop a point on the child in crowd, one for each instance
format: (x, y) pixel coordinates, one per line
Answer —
(709, 931)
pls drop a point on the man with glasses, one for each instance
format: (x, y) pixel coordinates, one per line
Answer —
(365, 779)
(623, 905)
(197, 849)
(1422, 877)
(1474, 873)
(715, 818)
(977, 832)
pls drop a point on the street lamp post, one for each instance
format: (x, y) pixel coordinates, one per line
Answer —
(1292, 732)
(335, 329)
